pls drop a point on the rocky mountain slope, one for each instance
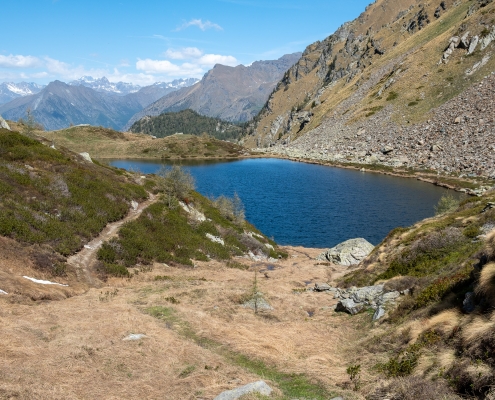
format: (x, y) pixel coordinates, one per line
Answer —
(10, 91)
(406, 84)
(229, 93)
(59, 105)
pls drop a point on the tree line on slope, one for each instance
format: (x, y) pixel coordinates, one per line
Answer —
(188, 122)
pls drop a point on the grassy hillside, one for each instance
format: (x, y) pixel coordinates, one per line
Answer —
(106, 143)
(188, 122)
(56, 198)
(439, 339)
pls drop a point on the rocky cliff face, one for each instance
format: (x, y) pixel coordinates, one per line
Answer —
(230, 93)
(398, 86)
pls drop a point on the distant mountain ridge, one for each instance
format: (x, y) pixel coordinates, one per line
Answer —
(10, 91)
(58, 105)
(103, 85)
(230, 93)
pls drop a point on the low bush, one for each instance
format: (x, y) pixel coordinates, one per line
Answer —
(430, 253)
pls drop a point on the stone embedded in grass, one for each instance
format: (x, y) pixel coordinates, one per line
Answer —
(215, 239)
(259, 387)
(134, 337)
(380, 312)
(3, 292)
(257, 303)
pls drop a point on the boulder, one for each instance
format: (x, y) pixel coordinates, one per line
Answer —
(85, 156)
(3, 124)
(349, 306)
(350, 252)
(322, 287)
(367, 294)
(259, 387)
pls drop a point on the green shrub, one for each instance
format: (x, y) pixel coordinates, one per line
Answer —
(447, 203)
(392, 96)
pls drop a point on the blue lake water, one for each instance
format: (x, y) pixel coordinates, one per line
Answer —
(311, 205)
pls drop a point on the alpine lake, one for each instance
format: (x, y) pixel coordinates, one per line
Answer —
(301, 204)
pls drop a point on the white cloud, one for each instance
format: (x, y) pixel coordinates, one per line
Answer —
(212, 59)
(19, 61)
(183, 54)
(200, 24)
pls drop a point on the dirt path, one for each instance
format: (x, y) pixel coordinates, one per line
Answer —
(85, 259)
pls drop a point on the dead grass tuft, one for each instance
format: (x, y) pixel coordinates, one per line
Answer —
(486, 284)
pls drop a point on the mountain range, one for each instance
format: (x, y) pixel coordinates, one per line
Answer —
(10, 91)
(103, 85)
(87, 101)
(229, 93)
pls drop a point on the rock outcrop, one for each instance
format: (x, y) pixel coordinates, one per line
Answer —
(354, 300)
(350, 252)
(3, 124)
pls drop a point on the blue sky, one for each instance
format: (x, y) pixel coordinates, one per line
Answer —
(148, 41)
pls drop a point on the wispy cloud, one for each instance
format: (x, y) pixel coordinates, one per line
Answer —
(200, 24)
(19, 61)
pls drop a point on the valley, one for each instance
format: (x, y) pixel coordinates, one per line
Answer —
(231, 221)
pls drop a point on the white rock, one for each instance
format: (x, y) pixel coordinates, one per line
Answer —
(215, 239)
(134, 205)
(134, 336)
(85, 156)
(3, 291)
(3, 124)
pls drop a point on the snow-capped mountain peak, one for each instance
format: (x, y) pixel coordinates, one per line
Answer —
(10, 91)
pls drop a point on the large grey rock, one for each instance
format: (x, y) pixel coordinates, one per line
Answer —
(367, 293)
(256, 387)
(350, 252)
(388, 297)
(349, 306)
(4, 124)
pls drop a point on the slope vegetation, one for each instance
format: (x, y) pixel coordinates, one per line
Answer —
(189, 122)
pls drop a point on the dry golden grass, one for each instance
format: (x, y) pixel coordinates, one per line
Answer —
(107, 143)
(73, 348)
(486, 284)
